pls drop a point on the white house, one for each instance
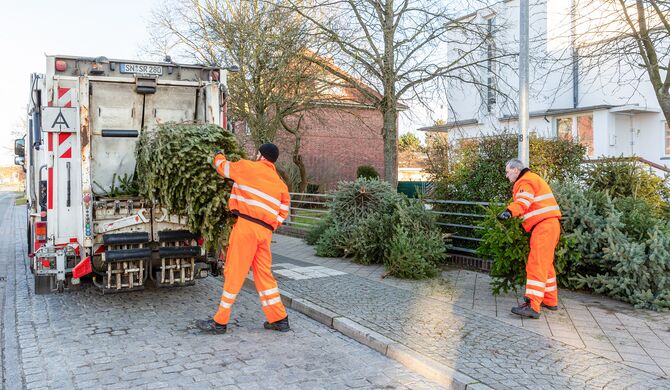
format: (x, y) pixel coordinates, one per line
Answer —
(610, 106)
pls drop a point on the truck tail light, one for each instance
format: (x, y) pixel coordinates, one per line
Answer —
(61, 65)
(46, 263)
(41, 231)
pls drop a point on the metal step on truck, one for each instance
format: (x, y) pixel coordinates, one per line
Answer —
(84, 119)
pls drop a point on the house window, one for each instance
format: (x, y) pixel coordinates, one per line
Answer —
(564, 128)
(667, 139)
(579, 127)
(585, 132)
(490, 66)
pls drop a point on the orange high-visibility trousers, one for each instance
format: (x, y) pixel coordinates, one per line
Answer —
(249, 246)
(540, 273)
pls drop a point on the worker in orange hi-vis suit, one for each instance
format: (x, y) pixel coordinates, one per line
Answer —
(534, 202)
(260, 199)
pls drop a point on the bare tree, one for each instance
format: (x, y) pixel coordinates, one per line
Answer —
(395, 51)
(620, 42)
(274, 88)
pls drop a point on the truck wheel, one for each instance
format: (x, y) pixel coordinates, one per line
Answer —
(42, 284)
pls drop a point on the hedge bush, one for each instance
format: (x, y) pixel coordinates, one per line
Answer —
(474, 169)
(367, 172)
(373, 224)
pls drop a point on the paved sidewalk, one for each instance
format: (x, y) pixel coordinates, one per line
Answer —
(591, 342)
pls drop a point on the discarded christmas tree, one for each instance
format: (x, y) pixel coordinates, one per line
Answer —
(174, 170)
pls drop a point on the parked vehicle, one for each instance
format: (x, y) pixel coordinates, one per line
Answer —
(84, 119)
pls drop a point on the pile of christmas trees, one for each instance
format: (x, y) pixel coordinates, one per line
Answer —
(174, 170)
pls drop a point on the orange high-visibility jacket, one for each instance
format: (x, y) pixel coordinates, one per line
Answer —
(533, 200)
(258, 194)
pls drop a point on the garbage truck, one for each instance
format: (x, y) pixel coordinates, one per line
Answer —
(84, 119)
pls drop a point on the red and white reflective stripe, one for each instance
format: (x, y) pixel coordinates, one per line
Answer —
(280, 219)
(50, 187)
(534, 292)
(284, 207)
(541, 211)
(64, 97)
(258, 193)
(50, 174)
(226, 169)
(535, 283)
(65, 141)
(272, 301)
(256, 203)
(550, 288)
(551, 280)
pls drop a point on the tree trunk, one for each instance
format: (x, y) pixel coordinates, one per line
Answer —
(297, 160)
(390, 144)
(389, 103)
(296, 156)
(664, 102)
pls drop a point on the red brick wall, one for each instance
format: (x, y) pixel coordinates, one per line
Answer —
(335, 142)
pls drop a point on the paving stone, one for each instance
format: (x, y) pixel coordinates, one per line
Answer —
(495, 349)
(147, 339)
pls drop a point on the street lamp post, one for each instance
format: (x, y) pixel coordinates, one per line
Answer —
(523, 82)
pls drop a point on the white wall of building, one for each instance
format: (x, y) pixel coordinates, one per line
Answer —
(603, 89)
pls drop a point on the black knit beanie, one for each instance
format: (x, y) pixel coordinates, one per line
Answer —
(269, 151)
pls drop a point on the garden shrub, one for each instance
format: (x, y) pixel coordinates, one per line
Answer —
(367, 172)
(474, 169)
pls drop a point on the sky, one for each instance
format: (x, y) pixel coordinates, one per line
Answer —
(30, 29)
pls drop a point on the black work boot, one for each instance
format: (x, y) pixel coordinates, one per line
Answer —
(211, 326)
(281, 325)
(552, 308)
(526, 311)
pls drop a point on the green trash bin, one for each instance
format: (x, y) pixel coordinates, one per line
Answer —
(412, 188)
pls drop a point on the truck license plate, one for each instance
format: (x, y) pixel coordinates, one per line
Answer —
(142, 69)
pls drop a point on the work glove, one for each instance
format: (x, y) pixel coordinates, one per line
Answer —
(214, 154)
(505, 215)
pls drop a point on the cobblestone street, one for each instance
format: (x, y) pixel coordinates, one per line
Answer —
(84, 340)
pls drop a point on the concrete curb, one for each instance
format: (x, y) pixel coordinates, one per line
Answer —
(423, 365)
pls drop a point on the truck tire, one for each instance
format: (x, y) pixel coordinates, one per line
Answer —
(42, 284)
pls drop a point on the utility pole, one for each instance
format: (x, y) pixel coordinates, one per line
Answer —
(523, 82)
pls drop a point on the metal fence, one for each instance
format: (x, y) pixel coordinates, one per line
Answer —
(306, 209)
(457, 218)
